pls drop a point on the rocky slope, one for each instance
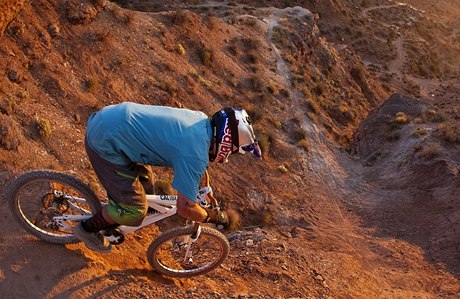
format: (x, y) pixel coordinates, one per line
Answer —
(345, 204)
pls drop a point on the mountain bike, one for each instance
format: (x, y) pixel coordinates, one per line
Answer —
(48, 204)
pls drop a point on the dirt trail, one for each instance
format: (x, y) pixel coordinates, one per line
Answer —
(367, 10)
(397, 64)
(427, 86)
(324, 157)
(347, 180)
(397, 4)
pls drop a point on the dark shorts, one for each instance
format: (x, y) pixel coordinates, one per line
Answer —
(126, 186)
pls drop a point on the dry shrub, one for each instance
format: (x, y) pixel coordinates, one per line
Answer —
(285, 92)
(280, 37)
(235, 47)
(430, 151)
(180, 49)
(92, 84)
(401, 118)
(253, 57)
(450, 132)
(234, 220)
(268, 218)
(276, 122)
(124, 16)
(183, 18)
(347, 113)
(419, 132)
(435, 116)
(313, 106)
(7, 105)
(283, 168)
(265, 141)
(257, 83)
(23, 94)
(255, 113)
(358, 73)
(98, 3)
(298, 78)
(169, 86)
(272, 88)
(207, 56)
(43, 127)
(251, 43)
(318, 89)
(10, 133)
(263, 98)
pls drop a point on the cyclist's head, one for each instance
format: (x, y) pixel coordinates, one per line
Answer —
(232, 133)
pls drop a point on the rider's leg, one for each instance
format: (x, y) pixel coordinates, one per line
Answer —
(100, 220)
(127, 200)
(88, 231)
(126, 186)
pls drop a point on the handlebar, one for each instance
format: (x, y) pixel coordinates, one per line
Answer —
(209, 192)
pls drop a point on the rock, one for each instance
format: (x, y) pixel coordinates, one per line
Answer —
(54, 30)
(285, 233)
(80, 13)
(14, 76)
(77, 117)
(249, 243)
(319, 277)
(11, 135)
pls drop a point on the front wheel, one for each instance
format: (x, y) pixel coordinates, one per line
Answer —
(174, 254)
(49, 203)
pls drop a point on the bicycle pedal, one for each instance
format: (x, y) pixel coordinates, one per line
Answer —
(114, 236)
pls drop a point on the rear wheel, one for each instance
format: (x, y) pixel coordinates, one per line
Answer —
(167, 253)
(48, 204)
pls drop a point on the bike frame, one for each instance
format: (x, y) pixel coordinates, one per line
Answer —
(162, 206)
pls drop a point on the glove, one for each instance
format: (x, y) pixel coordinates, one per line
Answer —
(220, 218)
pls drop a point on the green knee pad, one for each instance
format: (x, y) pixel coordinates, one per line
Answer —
(130, 215)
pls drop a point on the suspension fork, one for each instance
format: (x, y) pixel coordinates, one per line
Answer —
(196, 231)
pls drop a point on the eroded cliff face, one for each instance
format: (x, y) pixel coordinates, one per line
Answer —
(9, 9)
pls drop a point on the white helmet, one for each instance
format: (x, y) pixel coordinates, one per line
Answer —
(225, 124)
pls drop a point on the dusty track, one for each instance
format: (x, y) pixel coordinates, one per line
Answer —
(343, 235)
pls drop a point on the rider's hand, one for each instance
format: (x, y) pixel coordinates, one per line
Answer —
(228, 220)
(222, 220)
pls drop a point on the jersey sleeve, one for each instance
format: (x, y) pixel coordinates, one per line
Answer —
(187, 175)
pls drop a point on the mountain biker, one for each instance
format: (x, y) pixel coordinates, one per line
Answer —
(123, 140)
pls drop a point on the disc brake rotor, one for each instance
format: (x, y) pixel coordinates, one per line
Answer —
(49, 200)
(45, 219)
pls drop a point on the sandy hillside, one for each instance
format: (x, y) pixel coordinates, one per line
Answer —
(357, 196)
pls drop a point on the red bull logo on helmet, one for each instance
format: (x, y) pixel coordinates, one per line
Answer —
(225, 146)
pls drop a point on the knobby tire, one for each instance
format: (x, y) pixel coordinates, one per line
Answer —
(13, 195)
(154, 258)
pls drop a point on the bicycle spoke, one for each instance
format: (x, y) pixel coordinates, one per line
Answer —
(40, 201)
(176, 255)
